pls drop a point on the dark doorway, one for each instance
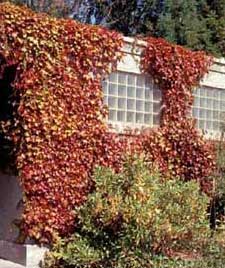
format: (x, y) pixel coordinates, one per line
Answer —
(10, 191)
(6, 113)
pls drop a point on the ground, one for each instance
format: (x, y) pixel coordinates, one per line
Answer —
(8, 264)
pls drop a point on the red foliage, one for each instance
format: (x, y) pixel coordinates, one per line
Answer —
(58, 127)
(177, 146)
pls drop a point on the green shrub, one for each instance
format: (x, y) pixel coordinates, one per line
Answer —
(131, 216)
(218, 202)
(213, 257)
(217, 207)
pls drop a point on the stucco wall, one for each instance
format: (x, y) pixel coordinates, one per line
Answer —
(10, 195)
(131, 63)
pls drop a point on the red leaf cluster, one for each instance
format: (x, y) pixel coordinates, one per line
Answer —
(177, 146)
(58, 127)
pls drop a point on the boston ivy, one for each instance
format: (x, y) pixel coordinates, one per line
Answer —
(178, 146)
(58, 126)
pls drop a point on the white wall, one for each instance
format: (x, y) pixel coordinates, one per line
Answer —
(10, 195)
(216, 76)
(10, 192)
(131, 63)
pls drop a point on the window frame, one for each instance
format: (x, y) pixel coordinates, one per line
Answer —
(153, 101)
(130, 62)
(210, 109)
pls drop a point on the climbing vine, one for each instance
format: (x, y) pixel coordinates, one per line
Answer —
(177, 145)
(58, 126)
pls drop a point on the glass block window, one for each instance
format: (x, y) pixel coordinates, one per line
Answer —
(209, 108)
(132, 99)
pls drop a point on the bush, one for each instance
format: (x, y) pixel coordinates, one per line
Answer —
(130, 216)
(213, 257)
(218, 202)
(217, 208)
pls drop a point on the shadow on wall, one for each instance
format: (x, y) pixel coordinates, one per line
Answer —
(10, 192)
(6, 113)
(10, 197)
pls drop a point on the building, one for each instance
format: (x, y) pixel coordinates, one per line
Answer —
(134, 101)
